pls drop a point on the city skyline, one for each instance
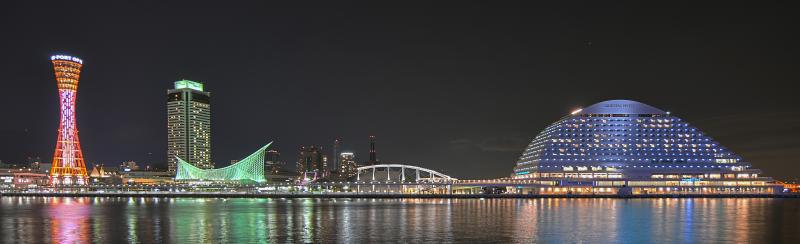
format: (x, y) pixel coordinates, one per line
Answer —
(470, 113)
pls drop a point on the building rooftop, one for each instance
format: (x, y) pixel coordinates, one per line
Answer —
(620, 107)
(187, 84)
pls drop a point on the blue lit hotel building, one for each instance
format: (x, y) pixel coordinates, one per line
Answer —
(627, 147)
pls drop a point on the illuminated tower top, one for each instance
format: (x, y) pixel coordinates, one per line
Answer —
(68, 71)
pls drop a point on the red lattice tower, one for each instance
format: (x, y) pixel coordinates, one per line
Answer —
(68, 167)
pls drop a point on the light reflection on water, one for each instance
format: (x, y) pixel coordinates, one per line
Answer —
(147, 220)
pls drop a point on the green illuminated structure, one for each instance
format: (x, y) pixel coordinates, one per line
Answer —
(250, 168)
(187, 84)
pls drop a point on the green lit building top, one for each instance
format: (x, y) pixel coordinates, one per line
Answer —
(187, 84)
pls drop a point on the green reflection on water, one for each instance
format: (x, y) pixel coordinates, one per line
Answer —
(146, 220)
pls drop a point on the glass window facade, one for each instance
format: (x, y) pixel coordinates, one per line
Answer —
(631, 139)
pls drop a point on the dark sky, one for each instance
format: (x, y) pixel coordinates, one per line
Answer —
(458, 87)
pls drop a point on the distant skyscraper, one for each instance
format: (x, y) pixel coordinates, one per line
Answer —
(272, 161)
(68, 163)
(347, 165)
(272, 156)
(336, 147)
(189, 125)
(373, 156)
(312, 164)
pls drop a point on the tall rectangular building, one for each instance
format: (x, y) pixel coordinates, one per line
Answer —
(337, 144)
(189, 125)
(373, 155)
(272, 163)
(312, 164)
(347, 165)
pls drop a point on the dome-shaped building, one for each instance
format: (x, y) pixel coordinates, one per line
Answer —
(627, 145)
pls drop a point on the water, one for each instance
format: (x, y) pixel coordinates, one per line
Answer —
(148, 220)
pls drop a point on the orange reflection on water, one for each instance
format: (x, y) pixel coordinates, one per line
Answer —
(69, 220)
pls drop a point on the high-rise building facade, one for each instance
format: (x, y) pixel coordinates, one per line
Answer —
(68, 166)
(347, 165)
(189, 125)
(312, 164)
(272, 162)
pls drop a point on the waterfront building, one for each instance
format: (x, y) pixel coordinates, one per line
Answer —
(22, 178)
(280, 174)
(312, 164)
(275, 169)
(142, 178)
(188, 125)
(628, 146)
(347, 165)
(98, 172)
(251, 168)
(68, 166)
(103, 175)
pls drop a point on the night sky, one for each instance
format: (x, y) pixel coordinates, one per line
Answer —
(457, 87)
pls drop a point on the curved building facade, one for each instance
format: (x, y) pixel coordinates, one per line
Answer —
(69, 167)
(251, 168)
(623, 143)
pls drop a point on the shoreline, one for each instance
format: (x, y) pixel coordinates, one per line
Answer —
(376, 196)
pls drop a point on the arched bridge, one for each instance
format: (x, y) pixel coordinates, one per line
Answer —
(400, 173)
